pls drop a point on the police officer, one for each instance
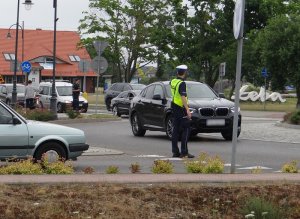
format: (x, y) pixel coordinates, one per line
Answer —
(76, 93)
(181, 113)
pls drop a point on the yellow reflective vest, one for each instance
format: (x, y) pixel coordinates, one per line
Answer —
(175, 83)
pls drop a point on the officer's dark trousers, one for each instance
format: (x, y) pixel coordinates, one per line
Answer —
(181, 127)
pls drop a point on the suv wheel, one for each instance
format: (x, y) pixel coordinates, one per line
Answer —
(136, 126)
(52, 150)
(169, 127)
(227, 135)
(116, 111)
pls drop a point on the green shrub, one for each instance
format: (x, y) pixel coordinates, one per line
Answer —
(290, 167)
(162, 166)
(73, 114)
(112, 170)
(22, 167)
(205, 164)
(292, 117)
(256, 170)
(37, 114)
(259, 208)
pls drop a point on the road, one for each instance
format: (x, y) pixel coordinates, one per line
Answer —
(155, 145)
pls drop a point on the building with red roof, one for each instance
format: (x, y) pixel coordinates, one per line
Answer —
(37, 48)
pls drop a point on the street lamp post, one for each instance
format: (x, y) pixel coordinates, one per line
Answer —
(8, 36)
(14, 91)
(53, 106)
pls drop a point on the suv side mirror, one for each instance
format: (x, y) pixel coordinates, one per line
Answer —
(157, 97)
(221, 95)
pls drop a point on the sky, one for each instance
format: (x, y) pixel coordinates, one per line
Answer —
(41, 14)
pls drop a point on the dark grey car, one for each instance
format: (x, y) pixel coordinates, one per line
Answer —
(6, 93)
(151, 110)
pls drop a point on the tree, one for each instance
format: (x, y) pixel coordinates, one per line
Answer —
(279, 50)
(127, 26)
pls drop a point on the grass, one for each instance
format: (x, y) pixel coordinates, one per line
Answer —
(288, 106)
(92, 98)
(97, 200)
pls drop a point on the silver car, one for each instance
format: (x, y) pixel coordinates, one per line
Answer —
(21, 138)
(6, 93)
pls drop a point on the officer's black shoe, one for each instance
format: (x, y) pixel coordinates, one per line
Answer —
(176, 155)
(186, 156)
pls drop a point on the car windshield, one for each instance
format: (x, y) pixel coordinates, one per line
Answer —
(195, 91)
(138, 86)
(20, 89)
(64, 91)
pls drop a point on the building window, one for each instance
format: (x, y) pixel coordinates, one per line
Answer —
(74, 58)
(9, 56)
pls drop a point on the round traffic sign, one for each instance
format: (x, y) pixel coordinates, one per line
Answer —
(26, 66)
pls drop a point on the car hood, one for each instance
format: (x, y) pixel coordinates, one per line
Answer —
(210, 102)
(44, 128)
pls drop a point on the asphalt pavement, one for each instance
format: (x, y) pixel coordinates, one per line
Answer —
(159, 178)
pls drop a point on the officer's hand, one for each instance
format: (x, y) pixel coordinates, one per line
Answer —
(189, 115)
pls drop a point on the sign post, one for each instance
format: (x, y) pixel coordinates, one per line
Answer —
(222, 69)
(238, 28)
(264, 73)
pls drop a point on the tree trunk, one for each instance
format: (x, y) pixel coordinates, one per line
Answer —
(298, 96)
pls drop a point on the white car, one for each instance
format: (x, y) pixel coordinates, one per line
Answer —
(21, 138)
(64, 96)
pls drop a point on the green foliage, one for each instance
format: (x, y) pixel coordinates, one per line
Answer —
(290, 167)
(292, 117)
(205, 164)
(22, 167)
(37, 114)
(135, 168)
(258, 208)
(44, 167)
(112, 170)
(162, 166)
(256, 170)
(73, 114)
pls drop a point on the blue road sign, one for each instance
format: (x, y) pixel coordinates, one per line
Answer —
(26, 66)
(264, 72)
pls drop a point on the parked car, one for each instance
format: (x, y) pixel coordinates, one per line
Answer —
(116, 88)
(6, 93)
(21, 138)
(64, 96)
(151, 110)
(121, 103)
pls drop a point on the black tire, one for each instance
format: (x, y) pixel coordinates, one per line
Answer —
(108, 102)
(50, 147)
(136, 126)
(60, 108)
(169, 127)
(84, 110)
(227, 135)
(115, 111)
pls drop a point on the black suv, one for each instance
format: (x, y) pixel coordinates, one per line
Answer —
(151, 110)
(116, 88)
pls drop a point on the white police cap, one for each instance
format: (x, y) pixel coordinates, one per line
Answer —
(183, 67)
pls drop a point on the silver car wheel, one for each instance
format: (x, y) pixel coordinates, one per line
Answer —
(52, 156)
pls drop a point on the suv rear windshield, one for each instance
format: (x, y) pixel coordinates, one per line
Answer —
(137, 86)
(64, 91)
(195, 91)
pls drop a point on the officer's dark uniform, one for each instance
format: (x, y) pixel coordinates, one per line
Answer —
(76, 96)
(181, 124)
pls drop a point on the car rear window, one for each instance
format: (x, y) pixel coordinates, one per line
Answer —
(138, 86)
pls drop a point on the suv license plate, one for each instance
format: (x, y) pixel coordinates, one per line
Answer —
(215, 122)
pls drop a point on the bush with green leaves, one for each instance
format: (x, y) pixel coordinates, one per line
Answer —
(37, 114)
(205, 164)
(56, 167)
(162, 166)
(290, 167)
(72, 114)
(292, 117)
(112, 169)
(258, 208)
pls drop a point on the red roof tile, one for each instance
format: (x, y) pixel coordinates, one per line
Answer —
(39, 43)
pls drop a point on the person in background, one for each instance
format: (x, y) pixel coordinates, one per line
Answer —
(76, 93)
(30, 92)
(181, 113)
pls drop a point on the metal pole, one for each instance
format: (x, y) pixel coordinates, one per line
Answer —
(84, 77)
(98, 80)
(237, 92)
(53, 98)
(265, 101)
(26, 74)
(14, 91)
